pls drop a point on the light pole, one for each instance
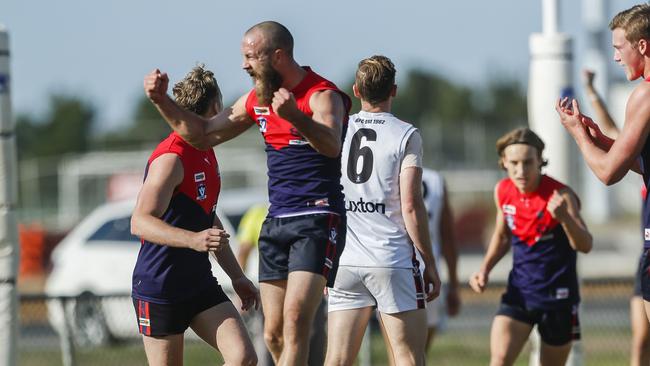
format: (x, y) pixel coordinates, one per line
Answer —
(8, 227)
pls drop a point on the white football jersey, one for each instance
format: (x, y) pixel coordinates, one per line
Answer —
(433, 192)
(372, 154)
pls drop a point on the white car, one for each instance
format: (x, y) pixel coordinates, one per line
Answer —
(97, 259)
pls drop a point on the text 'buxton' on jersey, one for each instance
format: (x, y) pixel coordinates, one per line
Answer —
(370, 121)
(365, 207)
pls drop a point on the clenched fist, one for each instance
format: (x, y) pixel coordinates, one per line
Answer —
(284, 104)
(155, 85)
(212, 239)
(557, 206)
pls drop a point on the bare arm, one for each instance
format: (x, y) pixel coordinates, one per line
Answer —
(449, 252)
(324, 129)
(164, 174)
(194, 129)
(497, 248)
(226, 258)
(415, 219)
(244, 288)
(564, 207)
(607, 123)
(611, 166)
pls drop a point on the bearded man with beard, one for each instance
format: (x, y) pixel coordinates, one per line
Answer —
(302, 118)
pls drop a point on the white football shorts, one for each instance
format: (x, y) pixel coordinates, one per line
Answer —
(390, 290)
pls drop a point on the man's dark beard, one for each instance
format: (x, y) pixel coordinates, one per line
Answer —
(267, 82)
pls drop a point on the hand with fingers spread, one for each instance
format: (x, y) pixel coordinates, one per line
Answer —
(557, 206)
(569, 112)
(284, 104)
(155, 85)
(247, 292)
(212, 239)
(478, 281)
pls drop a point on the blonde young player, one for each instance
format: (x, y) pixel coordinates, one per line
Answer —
(640, 345)
(609, 159)
(387, 224)
(173, 286)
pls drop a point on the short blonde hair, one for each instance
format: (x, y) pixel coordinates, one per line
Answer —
(521, 135)
(375, 79)
(635, 21)
(198, 90)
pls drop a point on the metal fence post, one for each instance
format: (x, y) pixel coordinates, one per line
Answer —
(67, 343)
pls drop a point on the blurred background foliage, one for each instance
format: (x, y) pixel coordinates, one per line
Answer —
(459, 123)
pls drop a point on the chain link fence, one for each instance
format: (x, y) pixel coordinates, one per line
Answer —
(91, 330)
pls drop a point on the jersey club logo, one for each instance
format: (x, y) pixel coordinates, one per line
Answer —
(201, 192)
(262, 123)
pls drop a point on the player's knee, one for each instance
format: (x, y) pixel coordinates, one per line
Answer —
(249, 358)
(243, 355)
(498, 359)
(273, 338)
(296, 323)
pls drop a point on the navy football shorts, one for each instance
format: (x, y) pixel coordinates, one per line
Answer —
(556, 327)
(168, 319)
(311, 243)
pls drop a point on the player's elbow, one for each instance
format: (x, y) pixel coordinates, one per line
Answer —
(136, 225)
(411, 205)
(586, 245)
(610, 176)
(608, 179)
(332, 149)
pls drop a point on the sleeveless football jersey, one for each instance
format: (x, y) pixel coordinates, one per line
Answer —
(301, 180)
(165, 274)
(644, 160)
(372, 154)
(543, 274)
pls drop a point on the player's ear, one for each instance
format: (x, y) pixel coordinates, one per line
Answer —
(642, 46)
(355, 91)
(393, 91)
(277, 56)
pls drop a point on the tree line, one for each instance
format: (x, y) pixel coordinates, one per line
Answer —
(459, 123)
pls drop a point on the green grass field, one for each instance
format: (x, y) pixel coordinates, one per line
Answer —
(466, 348)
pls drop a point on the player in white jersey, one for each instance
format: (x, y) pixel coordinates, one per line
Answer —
(436, 202)
(387, 224)
(443, 244)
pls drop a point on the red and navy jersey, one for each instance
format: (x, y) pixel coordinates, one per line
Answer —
(301, 180)
(644, 161)
(165, 274)
(543, 272)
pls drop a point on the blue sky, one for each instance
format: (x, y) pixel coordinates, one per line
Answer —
(102, 50)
